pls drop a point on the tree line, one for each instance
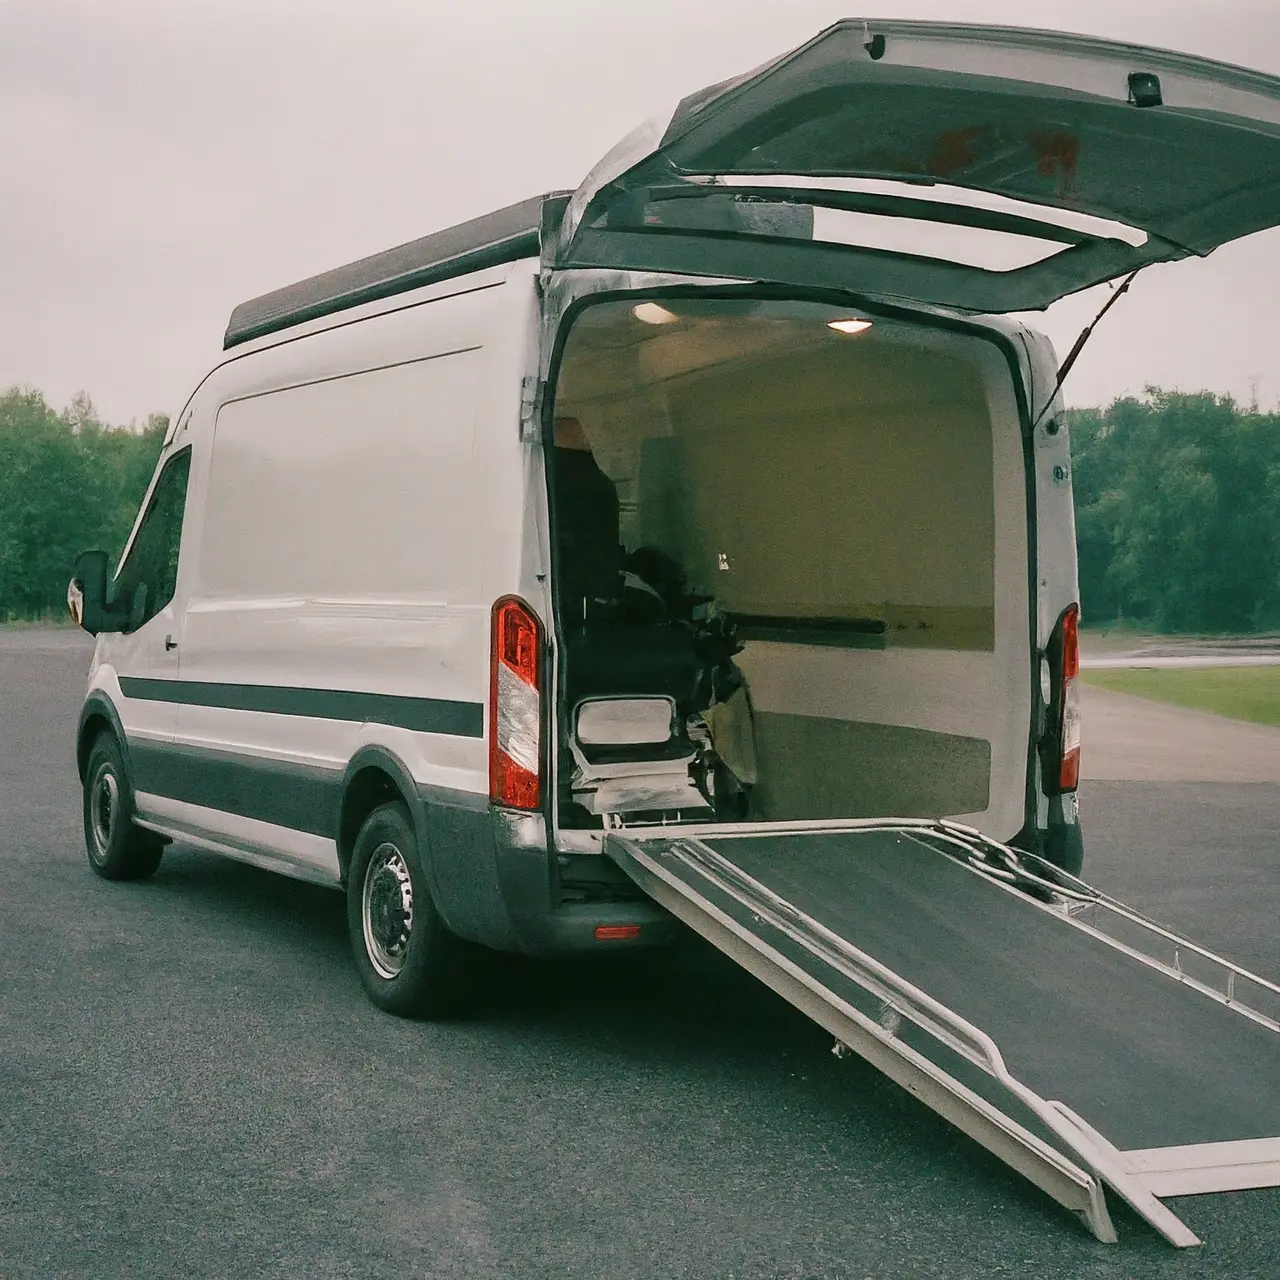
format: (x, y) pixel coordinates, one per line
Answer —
(1177, 506)
(68, 483)
(1178, 513)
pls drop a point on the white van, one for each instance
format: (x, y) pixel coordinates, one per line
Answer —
(719, 493)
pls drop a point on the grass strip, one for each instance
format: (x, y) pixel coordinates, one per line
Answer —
(1242, 693)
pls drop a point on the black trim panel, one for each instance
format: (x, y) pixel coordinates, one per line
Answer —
(811, 263)
(97, 704)
(301, 797)
(505, 235)
(422, 715)
(842, 633)
(488, 888)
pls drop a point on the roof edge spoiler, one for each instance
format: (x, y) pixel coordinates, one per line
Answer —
(506, 235)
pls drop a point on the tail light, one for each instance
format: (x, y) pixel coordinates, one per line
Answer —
(1061, 758)
(515, 706)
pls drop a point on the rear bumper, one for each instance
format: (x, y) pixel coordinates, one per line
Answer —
(494, 882)
(544, 926)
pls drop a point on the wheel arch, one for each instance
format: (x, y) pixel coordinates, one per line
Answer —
(98, 715)
(376, 776)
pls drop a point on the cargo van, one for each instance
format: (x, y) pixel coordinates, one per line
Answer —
(722, 494)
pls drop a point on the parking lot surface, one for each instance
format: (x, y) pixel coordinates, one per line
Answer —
(192, 1083)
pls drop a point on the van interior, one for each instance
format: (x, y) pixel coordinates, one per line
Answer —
(789, 551)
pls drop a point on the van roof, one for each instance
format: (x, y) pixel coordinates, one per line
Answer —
(504, 236)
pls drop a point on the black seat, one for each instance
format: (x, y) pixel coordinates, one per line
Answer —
(620, 660)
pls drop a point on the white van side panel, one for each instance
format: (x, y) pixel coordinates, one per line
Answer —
(336, 590)
(333, 490)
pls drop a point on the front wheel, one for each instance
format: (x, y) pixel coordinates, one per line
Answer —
(117, 848)
(406, 957)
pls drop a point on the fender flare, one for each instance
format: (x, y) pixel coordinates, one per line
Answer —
(99, 706)
(379, 757)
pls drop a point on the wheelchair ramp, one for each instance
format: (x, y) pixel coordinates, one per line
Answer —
(1082, 1043)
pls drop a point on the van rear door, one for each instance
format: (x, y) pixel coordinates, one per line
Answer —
(1086, 159)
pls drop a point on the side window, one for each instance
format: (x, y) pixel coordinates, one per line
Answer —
(149, 576)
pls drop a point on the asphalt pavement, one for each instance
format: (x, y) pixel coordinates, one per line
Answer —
(1128, 661)
(1128, 739)
(1119, 649)
(192, 1083)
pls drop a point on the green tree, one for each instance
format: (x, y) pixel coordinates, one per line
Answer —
(67, 482)
(1178, 520)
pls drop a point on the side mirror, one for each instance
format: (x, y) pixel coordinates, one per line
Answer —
(87, 594)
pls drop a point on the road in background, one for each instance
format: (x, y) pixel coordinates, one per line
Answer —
(1103, 651)
(1129, 739)
(194, 1085)
(1180, 662)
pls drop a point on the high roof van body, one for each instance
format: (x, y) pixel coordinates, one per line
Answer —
(720, 493)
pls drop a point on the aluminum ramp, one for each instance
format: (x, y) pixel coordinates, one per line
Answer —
(1080, 1042)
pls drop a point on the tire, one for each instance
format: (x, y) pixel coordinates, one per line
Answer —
(408, 961)
(117, 848)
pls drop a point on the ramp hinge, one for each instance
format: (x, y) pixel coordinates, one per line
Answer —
(530, 401)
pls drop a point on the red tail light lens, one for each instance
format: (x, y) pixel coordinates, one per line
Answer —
(1070, 642)
(1069, 774)
(1067, 720)
(515, 706)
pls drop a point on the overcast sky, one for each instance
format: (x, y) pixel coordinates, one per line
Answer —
(163, 161)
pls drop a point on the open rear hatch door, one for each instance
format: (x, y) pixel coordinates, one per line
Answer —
(980, 168)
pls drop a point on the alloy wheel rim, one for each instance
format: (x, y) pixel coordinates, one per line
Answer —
(387, 910)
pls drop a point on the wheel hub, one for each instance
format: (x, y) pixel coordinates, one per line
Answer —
(104, 805)
(387, 910)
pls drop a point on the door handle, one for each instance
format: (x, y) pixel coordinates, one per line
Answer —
(170, 642)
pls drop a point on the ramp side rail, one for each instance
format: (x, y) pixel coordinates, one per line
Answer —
(1074, 1175)
(1130, 931)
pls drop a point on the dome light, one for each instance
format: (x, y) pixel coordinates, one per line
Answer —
(651, 313)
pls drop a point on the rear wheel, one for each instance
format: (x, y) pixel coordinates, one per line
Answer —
(118, 849)
(407, 959)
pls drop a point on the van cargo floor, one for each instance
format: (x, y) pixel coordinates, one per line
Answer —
(1085, 1026)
